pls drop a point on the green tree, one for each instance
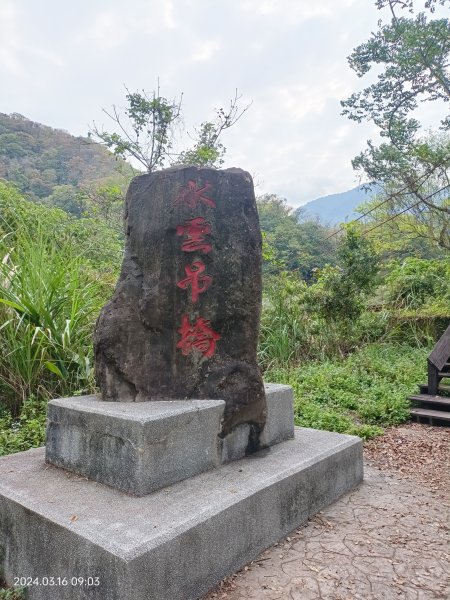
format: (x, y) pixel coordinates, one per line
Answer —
(69, 198)
(290, 245)
(149, 126)
(106, 202)
(147, 130)
(208, 150)
(341, 292)
(412, 56)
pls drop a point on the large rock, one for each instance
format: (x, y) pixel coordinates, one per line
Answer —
(184, 318)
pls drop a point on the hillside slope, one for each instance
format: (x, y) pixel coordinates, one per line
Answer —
(37, 158)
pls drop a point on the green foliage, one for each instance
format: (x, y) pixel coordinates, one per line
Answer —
(399, 236)
(358, 259)
(99, 242)
(25, 432)
(148, 132)
(15, 211)
(49, 300)
(341, 292)
(12, 593)
(105, 202)
(419, 284)
(411, 56)
(285, 327)
(67, 197)
(295, 328)
(303, 322)
(288, 244)
(359, 394)
(147, 135)
(414, 203)
(273, 210)
(207, 151)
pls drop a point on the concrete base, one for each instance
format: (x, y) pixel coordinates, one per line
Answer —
(141, 447)
(174, 544)
(137, 447)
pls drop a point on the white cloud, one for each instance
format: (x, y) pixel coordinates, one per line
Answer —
(294, 11)
(339, 135)
(204, 51)
(10, 40)
(108, 30)
(47, 56)
(299, 101)
(19, 55)
(168, 14)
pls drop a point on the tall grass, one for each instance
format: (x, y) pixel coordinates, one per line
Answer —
(49, 300)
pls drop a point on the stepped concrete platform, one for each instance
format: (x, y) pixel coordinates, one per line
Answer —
(140, 447)
(73, 538)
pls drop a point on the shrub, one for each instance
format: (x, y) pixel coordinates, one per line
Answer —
(417, 283)
(359, 394)
(28, 431)
(294, 329)
(50, 297)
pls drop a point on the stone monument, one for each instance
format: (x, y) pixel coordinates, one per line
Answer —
(184, 319)
(175, 348)
(185, 445)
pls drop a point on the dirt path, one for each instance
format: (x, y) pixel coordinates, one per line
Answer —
(387, 540)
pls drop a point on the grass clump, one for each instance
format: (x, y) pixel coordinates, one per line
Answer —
(50, 296)
(12, 593)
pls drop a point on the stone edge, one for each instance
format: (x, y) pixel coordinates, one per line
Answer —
(191, 560)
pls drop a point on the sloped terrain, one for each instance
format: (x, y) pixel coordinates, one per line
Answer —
(37, 158)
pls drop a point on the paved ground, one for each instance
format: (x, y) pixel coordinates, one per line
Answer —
(387, 540)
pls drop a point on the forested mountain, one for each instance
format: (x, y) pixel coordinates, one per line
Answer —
(335, 208)
(51, 165)
(38, 159)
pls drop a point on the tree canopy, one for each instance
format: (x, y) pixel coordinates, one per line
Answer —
(290, 245)
(411, 54)
(148, 126)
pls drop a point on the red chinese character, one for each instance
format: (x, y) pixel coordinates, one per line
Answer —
(191, 195)
(199, 283)
(195, 231)
(199, 337)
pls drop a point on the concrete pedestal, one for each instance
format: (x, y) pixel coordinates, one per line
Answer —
(140, 447)
(60, 529)
(137, 447)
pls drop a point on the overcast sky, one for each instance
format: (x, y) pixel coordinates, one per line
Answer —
(60, 63)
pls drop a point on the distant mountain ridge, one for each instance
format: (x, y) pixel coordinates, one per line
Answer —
(335, 208)
(44, 162)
